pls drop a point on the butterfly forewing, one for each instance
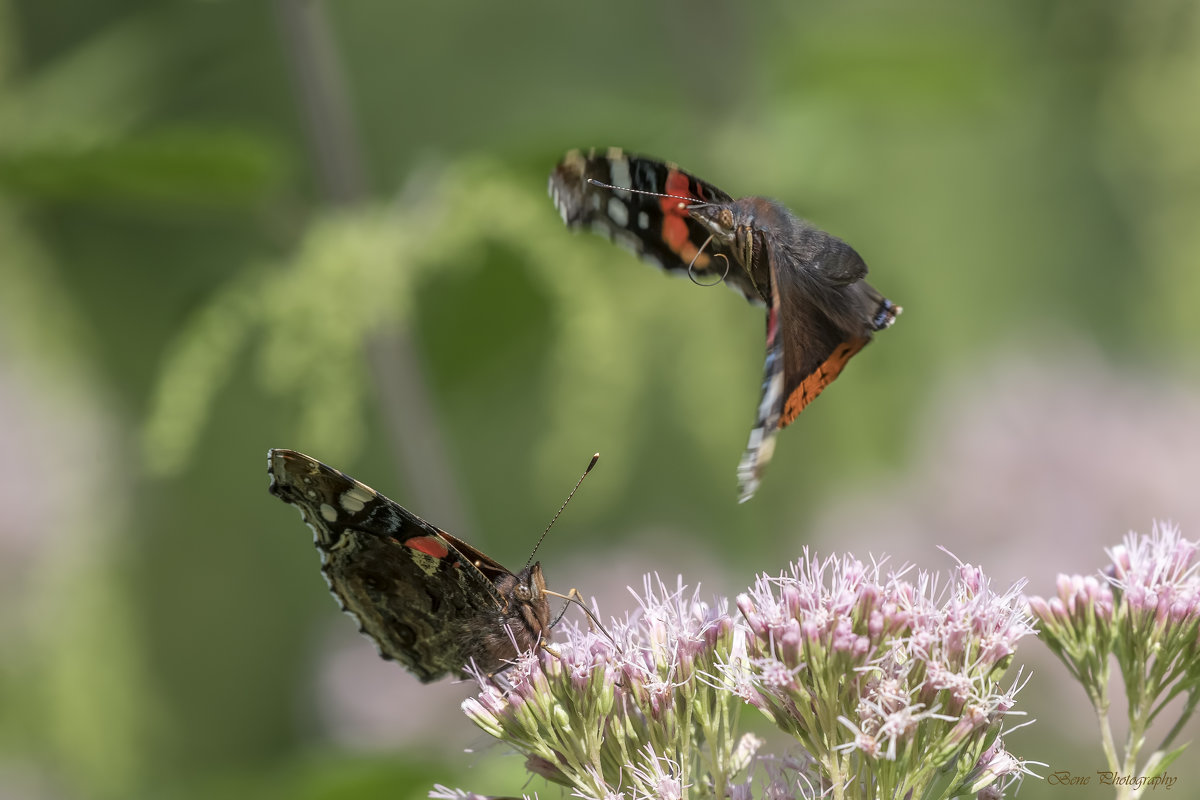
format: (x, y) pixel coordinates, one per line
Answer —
(659, 229)
(427, 599)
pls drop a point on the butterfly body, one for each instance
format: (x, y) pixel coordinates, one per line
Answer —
(820, 309)
(427, 599)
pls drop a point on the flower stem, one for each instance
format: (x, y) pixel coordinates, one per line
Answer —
(1098, 693)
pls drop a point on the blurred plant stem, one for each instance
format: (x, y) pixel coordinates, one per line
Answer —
(328, 119)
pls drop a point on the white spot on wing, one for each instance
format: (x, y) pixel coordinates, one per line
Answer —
(643, 220)
(619, 169)
(328, 512)
(351, 502)
(771, 397)
(356, 497)
(618, 212)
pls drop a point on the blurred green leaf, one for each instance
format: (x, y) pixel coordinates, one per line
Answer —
(181, 170)
(313, 341)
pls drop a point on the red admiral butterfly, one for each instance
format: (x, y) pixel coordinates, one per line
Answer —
(820, 311)
(428, 600)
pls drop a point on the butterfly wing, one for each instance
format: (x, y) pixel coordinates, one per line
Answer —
(427, 599)
(830, 312)
(658, 229)
(761, 445)
(822, 313)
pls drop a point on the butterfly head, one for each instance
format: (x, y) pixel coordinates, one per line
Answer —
(526, 600)
(730, 229)
(531, 585)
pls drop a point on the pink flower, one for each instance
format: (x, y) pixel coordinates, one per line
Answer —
(909, 668)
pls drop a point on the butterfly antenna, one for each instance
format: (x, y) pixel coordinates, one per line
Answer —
(591, 464)
(691, 201)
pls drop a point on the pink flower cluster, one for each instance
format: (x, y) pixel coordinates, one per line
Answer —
(1143, 612)
(626, 707)
(890, 686)
(884, 680)
(1156, 576)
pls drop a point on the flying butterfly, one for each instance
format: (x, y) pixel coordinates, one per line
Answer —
(820, 310)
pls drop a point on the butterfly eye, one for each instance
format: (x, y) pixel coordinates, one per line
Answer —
(522, 592)
(716, 219)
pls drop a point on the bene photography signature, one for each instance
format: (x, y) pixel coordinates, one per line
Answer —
(1064, 778)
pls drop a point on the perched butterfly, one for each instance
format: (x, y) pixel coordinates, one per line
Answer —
(820, 311)
(428, 600)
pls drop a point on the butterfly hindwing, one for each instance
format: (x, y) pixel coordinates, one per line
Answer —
(817, 288)
(832, 313)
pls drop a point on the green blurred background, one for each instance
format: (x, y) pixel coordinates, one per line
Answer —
(232, 226)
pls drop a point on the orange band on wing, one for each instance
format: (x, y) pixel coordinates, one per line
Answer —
(819, 378)
(675, 230)
(429, 545)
